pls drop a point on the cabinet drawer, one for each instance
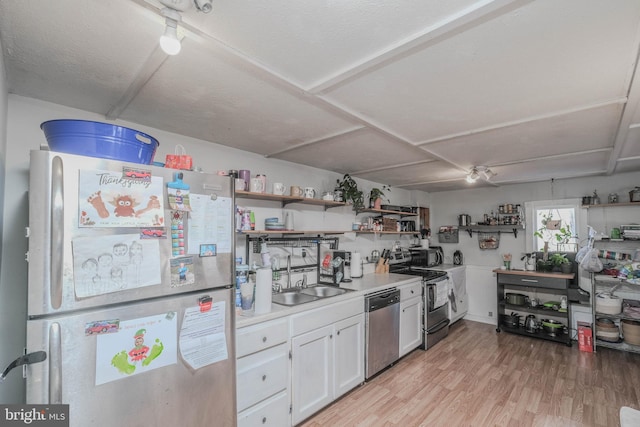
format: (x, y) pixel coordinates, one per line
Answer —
(272, 412)
(317, 318)
(259, 337)
(261, 375)
(411, 291)
(533, 281)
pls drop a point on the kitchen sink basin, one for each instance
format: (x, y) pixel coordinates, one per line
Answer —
(301, 296)
(323, 291)
(292, 298)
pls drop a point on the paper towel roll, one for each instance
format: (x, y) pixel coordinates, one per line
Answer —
(263, 291)
(356, 265)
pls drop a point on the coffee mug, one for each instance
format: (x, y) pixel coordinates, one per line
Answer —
(240, 185)
(309, 192)
(296, 191)
(257, 185)
(327, 195)
(278, 188)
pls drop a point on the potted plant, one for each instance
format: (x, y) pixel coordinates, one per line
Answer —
(376, 195)
(560, 262)
(350, 192)
(563, 237)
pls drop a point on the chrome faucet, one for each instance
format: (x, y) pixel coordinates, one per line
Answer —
(288, 271)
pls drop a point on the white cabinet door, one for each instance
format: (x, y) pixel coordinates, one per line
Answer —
(349, 354)
(410, 325)
(312, 379)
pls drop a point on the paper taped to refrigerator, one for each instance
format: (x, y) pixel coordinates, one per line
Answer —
(210, 221)
(202, 337)
(114, 263)
(111, 199)
(141, 345)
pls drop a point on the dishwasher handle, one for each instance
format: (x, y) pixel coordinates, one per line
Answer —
(382, 300)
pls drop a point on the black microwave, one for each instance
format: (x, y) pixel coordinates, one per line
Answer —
(431, 257)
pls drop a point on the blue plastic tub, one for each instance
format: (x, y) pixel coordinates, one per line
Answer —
(104, 140)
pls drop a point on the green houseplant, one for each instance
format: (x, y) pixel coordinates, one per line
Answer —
(376, 195)
(350, 192)
(560, 262)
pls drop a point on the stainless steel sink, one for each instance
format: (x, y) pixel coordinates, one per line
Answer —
(301, 296)
(292, 298)
(323, 291)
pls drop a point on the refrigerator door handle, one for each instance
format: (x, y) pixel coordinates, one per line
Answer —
(55, 364)
(57, 231)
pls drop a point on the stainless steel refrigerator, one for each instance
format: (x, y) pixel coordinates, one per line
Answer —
(131, 292)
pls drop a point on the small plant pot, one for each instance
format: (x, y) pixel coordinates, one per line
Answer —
(565, 268)
(545, 266)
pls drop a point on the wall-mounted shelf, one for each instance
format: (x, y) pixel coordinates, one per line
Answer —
(385, 212)
(510, 228)
(285, 200)
(611, 205)
(277, 232)
(387, 232)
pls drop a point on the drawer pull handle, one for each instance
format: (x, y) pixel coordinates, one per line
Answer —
(412, 291)
(264, 420)
(264, 339)
(264, 377)
(529, 280)
(330, 336)
(338, 332)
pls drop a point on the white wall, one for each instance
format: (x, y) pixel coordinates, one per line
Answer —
(446, 206)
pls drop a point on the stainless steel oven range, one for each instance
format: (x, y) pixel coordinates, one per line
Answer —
(435, 299)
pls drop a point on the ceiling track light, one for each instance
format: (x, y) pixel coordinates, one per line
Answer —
(476, 171)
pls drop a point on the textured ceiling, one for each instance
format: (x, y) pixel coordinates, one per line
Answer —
(410, 93)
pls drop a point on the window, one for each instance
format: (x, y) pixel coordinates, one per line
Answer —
(556, 227)
(555, 222)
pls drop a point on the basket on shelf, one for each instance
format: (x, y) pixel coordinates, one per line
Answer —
(389, 224)
(488, 240)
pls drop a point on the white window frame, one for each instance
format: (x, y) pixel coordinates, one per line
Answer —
(532, 207)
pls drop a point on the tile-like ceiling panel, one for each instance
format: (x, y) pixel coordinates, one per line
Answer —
(581, 131)
(545, 57)
(230, 106)
(75, 53)
(411, 174)
(632, 144)
(559, 167)
(307, 41)
(356, 151)
(630, 165)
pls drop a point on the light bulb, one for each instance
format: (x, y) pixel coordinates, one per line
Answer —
(169, 40)
(472, 176)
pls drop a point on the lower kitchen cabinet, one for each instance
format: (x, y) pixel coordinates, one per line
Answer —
(410, 317)
(263, 374)
(327, 356)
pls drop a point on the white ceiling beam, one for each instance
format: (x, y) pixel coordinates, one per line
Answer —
(453, 25)
(316, 141)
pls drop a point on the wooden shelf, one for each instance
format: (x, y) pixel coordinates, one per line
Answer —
(387, 232)
(385, 212)
(285, 200)
(271, 232)
(505, 228)
(611, 205)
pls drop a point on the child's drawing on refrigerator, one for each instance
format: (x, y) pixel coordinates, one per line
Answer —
(114, 263)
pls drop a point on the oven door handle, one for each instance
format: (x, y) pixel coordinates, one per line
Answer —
(440, 325)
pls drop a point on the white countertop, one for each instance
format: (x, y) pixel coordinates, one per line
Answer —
(446, 267)
(362, 286)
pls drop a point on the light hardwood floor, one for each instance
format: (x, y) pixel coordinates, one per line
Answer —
(477, 377)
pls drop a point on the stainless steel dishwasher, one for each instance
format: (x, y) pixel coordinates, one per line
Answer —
(382, 330)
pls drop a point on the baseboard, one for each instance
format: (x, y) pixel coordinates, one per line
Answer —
(481, 319)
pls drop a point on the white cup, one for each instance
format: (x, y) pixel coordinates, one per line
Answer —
(240, 184)
(309, 193)
(278, 188)
(424, 243)
(257, 185)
